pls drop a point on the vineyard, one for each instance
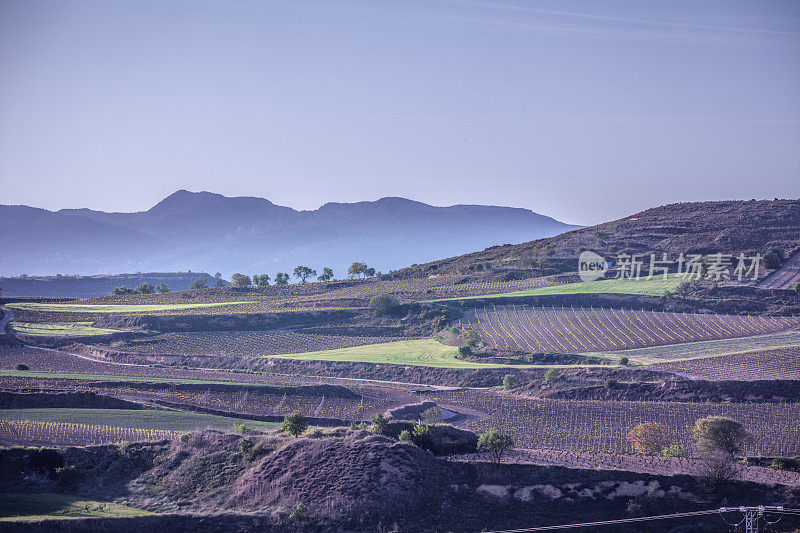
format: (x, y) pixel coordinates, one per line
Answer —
(785, 277)
(769, 364)
(28, 432)
(600, 426)
(549, 329)
(246, 343)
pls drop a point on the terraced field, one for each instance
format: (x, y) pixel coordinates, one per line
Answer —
(244, 343)
(602, 426)
(113, 308)
(785, 277)
(656, 286)
(547, 329)
(713, 348)
(131, 418)
(749, 366)
(58, 329)
(425, 352)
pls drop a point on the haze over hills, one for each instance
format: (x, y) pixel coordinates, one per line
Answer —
(210, 232)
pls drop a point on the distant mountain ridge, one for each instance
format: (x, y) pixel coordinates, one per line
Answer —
(204, 231)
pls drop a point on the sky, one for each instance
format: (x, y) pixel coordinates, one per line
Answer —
(581, 110)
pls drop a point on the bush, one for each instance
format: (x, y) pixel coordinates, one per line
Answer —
(454, 329)
(68, 475)
(551, 375)
(405, 436)
(772, 260)
(294, 423)
(439, 322)
(471, 338)
(432, 415)
(786, 463)
(495, 443)
(379, 424)
(241, 429)
(21, 366)
(199, 283)
(720, 433)
(623, 361)
(510, 381)
(676, 450)
(465, 350)
(384, 305)
(649, 438)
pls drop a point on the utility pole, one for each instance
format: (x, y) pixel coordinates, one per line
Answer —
(752, 515)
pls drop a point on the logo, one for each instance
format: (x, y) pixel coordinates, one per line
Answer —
(591, 266)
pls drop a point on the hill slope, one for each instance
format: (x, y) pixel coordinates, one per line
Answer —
(211, 232)
(729, 227)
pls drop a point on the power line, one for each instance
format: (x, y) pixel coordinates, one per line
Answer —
(751, 516)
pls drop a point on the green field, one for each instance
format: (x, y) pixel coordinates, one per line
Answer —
(27, 507)
(424, 352)
(646, 287)
(112, 308)
(119, 377)
(695, 350)
(134, 418)
(58, 329)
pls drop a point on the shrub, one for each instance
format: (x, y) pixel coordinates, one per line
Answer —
(421, 436)
(383, 305)
(720, 433)
(68, 475)
(199, 283)
(786, 463)
(676, 450)
(649, 438)
(510, 381)
(611, 383)
(241, 281)
(772, 260)
(439, 322)
(551, 375)
(21, 366)
(294, 423)
(379, 424)
(145, 288)
(465, 350)
(432, 415)
(471, 338)
(454, 329)
(623, 361)
(405, 436)
(241, 429)
(300, 510)
(495, 443)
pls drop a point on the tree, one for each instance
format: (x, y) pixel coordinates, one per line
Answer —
(495, 443)
(303, 273)
(357, 269)
(218, 275)
(383, 305)
(421, 436)
(465, 350)
(432, 415)
(796, 287)
(369, 272)
(199, 283)
(241, 281)
(145, 288)
(281, 278)
(123, 290)
(720, 433)
(327, 275)
(551, 375)
(379, 424)
(294, 423)
(623, 360)
(510, 381)
(650, 438)
(162, 288)
(261, 280)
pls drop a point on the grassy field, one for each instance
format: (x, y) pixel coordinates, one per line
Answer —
(133, 418)
(694, 350)
(425, 352)
(58, 329)
(27, 507)
(648, 287)
(119, 377)
(110, 308)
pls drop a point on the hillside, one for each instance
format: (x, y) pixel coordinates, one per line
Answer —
(92, 286)
(211, 232)
(692, 228)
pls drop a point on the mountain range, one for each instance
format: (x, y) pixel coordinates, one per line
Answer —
(204, 231)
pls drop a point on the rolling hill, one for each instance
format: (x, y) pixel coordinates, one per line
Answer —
(211, 232)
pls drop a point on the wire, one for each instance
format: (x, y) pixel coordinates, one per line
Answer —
(610, 522)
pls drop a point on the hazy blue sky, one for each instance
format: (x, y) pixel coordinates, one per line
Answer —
(585, 111)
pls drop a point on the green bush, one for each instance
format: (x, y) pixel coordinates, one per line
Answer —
(405, 436)
(294, 423)
(786, 463)
(465, 350)
(623, 361)
(676, 450)
(379, 424)
(21, 366)
(551, 375)
(384, 305)
(510, 381)
(439, 322)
